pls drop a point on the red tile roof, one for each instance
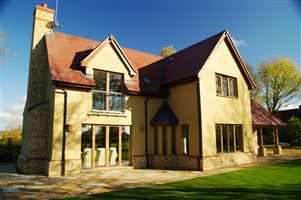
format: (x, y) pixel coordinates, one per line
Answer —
(66, 51)
(261, 117)
(153, 73)
(184, 64)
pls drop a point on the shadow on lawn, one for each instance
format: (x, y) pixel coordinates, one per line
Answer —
(279, 181)
(202, 193)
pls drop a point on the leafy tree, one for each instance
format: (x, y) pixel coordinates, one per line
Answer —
(280, 80)
(167, 51)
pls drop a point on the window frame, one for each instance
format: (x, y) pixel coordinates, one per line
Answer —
(183, 127)
(219, 89)
(156, 148)
(236, 147)
(173, 140)
(108, 94)
(164, 140)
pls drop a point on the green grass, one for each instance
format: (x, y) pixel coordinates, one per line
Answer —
(279, 181)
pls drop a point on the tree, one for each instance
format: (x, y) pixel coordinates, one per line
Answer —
(255, 93)
(281, 82)
(167, 51)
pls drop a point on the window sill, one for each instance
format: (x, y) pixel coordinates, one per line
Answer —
(107, 113)
(229, 153)
(231, 97)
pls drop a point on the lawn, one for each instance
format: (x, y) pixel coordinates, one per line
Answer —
(278, 181)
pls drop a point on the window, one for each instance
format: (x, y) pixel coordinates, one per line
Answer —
(225, 139)
(164, 140)
(229, 138)
(156, 140)
(108, 92)
(226, 86)
(185, 138)
(173, 135)
(218, 132)
(238, 138)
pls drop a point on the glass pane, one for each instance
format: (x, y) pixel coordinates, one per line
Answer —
(218, 138)
(225, 86)
(99, 101)
(100, 79)
(86, 144)
(115, 82)
(225, 139)
(218, 84)
(239, 138)
(231, 87)
(173, 135)
(164, 140)
(100, 146)
(116, 102)
(113, 145)
(125, 145)
(155, 140)
(231, 138)
(185, 137)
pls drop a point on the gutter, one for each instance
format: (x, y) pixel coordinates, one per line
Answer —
(63, 162)
(200, 125)
(146, 130)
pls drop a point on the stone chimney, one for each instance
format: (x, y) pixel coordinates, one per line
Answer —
(43, 21)
(34, 155)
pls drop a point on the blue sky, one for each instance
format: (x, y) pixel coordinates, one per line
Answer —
(262, 29)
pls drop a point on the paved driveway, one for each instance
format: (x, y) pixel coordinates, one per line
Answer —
(16, 186)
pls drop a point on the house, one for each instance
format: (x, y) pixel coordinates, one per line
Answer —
(286, 115)
(97, 104)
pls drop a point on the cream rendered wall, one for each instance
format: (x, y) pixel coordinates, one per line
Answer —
(215, 109)
(79, 111)
(136, 105)
(184, 103)
(107, 59)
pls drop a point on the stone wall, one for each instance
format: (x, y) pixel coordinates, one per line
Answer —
(227, 160)
(174, 162)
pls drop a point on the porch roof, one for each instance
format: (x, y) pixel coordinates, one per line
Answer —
(164, 116)
(262, 118)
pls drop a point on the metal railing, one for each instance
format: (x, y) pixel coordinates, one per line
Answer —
(116, 101)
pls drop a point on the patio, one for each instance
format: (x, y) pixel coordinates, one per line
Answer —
(16, 186)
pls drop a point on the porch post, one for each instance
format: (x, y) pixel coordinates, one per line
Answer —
(107, 146)
(120, 146)
(261, 150)
(93, 153)
(277, 148)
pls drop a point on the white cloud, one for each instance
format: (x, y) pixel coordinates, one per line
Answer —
(12, 116)
(239, 42)
(16, 108)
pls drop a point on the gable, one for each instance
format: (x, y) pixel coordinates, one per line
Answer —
(108, 56)
(225, 59)
(107, 59)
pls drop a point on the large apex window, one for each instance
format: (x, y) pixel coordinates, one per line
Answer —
(226, 86)
(108, 92)
(229, 138)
